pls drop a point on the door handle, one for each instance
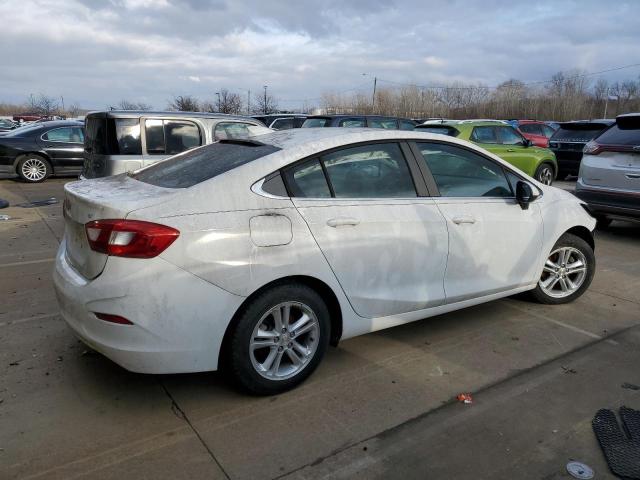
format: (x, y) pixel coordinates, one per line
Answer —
(511, 149)
(632, 176)
(463, 219)
(343, 222)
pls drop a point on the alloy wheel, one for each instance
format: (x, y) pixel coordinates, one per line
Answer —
(34, 169)
(564, 272)
(284, 341)
(545, 175)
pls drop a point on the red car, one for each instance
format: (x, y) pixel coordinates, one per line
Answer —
(538, 132)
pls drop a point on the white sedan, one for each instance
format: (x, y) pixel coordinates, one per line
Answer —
(254, 255)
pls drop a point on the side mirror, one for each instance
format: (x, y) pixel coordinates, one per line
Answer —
(524, 194)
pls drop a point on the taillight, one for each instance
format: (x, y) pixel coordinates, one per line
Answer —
(129, 238)
(592, 148)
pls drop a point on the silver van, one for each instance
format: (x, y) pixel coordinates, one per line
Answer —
(123, 141)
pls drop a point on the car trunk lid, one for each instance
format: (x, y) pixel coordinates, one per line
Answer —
(104, 198)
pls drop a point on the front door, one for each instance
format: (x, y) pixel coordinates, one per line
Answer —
(386, 246)
(65, 146)
(494, 245)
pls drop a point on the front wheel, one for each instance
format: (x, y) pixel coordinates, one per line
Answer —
(33, 169)
(278, 340)
(567, 272)
(544, 174)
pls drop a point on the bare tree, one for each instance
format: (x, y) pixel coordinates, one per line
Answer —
(43, 105)
(128, 105)
(184, 103)
(264, 104)
(226, 102)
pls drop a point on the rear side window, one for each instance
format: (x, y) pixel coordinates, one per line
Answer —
(307, 180)
(387, 123)
(484, 135)
(576, 133)
(369, 171)
(231, 130)
(620, 136)
(282, 124)
(407, 125)
(315, 122)
(65, 134)
(168, 137)
(531, 128)
(127, 132)
(461, 173)
(196, 166)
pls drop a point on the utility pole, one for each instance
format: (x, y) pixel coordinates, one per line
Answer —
(218, 94)
(248, 101)
(373, 98)
(606, 103)
(62, 99)
(265, 100)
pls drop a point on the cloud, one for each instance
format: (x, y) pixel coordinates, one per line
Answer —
(97, 52)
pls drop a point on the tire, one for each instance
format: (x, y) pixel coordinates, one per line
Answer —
(33, 169)
(270, 369)
(545, 173)
(579, 251)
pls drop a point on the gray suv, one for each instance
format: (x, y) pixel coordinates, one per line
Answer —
(609, 179)
(124, 141)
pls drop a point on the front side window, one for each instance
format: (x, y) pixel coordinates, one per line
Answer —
(307, 180)
(65, 134)
(388, 123)
(547, 131)
(509, 136)
(352, 123)
(484, 135)
(230, 130)
(369, 171)
(168, 137)
(461, 173)
(282, 124)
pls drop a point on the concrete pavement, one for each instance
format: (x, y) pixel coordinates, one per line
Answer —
(66, 412)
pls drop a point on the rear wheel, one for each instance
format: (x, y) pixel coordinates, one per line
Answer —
(278, 340)
(567, 272)
(33, 168)
(545, 173)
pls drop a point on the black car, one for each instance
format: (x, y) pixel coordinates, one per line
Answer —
(569, 140)
(355, 121)
(39, 150)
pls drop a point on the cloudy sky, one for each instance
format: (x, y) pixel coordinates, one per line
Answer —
(98, 52)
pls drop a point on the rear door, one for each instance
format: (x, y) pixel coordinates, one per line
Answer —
(494, 245)
(163, 137)
(386, 244)
(64, 145)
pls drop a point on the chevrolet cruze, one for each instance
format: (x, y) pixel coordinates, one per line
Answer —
(254, 255)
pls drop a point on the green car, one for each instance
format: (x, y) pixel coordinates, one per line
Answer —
(502, 140)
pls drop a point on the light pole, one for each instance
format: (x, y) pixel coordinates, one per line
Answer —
(373, 97)
(218, 94)
(265, 100)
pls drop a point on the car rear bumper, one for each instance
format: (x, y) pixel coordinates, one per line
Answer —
(609, 202)
(179, 320)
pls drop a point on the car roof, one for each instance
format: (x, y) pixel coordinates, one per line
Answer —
(604, 122)
(165, 113)
(346, 115)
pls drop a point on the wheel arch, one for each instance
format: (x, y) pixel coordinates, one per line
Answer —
(583, 233)
(37, 154)
(324, 290)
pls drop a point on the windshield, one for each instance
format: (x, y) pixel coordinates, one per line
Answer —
(577, 133)
(196, 166)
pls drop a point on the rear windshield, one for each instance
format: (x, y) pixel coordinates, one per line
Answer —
(113, 136)
(577, 133)
(24, 130)
(196, 166)
(619, 135)
(315, 122)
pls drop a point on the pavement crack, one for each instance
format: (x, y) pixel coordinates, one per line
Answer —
(178, 412)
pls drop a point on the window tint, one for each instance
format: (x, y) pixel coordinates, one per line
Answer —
(461, 173)
(388, 123)
(128, 136)
(169, 137)
(617, 136)
(65, 134)
(229, 130)
(307, 180)
(282, 124)
(407, 125)
(509, 136)
(315, 122)
(532, 128)
(484, 135)
(352, 122)
(195, 166)
(369, 171)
